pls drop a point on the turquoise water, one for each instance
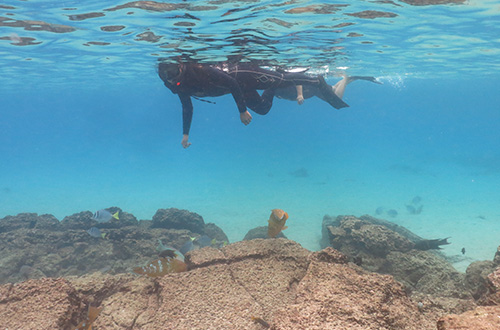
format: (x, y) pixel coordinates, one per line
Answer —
(87, 124)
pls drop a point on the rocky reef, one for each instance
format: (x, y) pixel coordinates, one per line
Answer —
(368, 276)
(41, 246)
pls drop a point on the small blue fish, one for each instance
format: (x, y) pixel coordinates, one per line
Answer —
(411, 209)
(95, 232)
(104, 216)
(392, 213)
(379, 210)
(414, 210)
(416, 200)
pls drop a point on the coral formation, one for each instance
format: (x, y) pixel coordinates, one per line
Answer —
(370, 277)
(39, 246)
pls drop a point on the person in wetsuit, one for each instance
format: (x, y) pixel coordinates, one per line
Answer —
(200, 80)
(252, 78)
(240, 80)
(300, 93)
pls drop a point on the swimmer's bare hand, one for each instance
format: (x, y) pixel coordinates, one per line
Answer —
(300, 100)
(185, 142)
(245, 117)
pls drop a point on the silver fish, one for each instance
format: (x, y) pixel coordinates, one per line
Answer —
(95, 232)
(188, 246)
(104, 216)
(203, 241)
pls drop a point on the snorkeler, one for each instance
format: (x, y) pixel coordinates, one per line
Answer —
(200, 80)
(242, 81)
(251, 78)
(300, 93)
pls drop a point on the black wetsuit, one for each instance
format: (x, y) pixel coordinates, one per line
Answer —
(252, 78)
(308, 91)
(202, 80)
(241, 80)
(290, 93)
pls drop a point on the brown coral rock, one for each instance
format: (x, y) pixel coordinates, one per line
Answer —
(338, 296)
(492, 296)
(273, 279)
(38, 304)
(481, 318)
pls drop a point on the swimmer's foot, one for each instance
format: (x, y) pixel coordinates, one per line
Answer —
(372, 79)
(329, 95)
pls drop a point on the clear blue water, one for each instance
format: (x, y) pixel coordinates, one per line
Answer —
(88, 126)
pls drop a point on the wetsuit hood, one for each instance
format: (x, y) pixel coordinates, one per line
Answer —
(170, 73)
(168, 70)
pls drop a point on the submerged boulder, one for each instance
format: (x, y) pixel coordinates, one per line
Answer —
(37, 246)
(260, 232)
(386, 248)
(275, 281)
(178, 219)
(28, 221)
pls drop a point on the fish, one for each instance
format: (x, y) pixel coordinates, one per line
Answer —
(167, 251)
(463, 250)
(415, 207)
(92, 315)
(203, 241)
(431, 244)
(392, 213)
(96, 232)
(276, 222)
(188, 246)
(104, 215)
(161, 267)
(411, 209)
(379, 210)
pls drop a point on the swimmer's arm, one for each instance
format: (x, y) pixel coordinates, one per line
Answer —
(187, 117)
(300, 95)
(224, 79)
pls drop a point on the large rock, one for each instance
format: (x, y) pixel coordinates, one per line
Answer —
(28, 221)
(38, 246)
(38, 304)
(481, 318)
(476, 277)
(492, 294)
(273, 279)
(215, 232)
(178, 219)
(386, 248)
(335, 222)
(335, 295)
(34, 253)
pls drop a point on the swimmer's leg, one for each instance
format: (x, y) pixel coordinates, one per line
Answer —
(329, 94)
(260, 104)
(368, 78)
(339, 87)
